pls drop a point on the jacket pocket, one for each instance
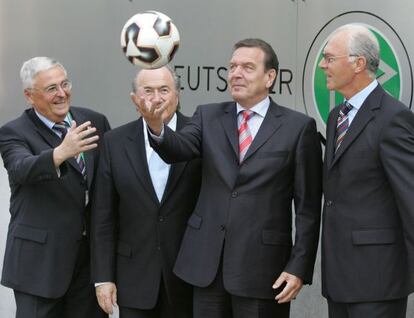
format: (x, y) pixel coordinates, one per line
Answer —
(374, 237)
(123, 249)
(29, 233)
(271, 237)
(195, 221)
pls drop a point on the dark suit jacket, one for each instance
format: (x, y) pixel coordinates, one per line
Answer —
(368, 222)
(48, 213)
(135, 237)
(244, 212)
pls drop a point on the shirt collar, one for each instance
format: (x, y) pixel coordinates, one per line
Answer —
(260, 108)
(359, 98)
(50, 123)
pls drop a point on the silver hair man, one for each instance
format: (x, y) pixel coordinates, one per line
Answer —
(362, 42)
(32, 67)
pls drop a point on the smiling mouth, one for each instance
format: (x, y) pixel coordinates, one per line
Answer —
(60, 104)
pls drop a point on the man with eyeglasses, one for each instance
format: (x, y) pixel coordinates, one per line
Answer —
(368, 219)
(50, 153)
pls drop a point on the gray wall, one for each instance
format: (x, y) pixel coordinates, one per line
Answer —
(84, 36)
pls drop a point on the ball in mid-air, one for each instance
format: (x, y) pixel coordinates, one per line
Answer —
(150, 39)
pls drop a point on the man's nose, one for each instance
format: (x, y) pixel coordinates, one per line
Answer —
(234, 74)
(60, 91)
(157, 96)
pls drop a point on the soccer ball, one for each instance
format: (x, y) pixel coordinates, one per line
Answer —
(150, 39)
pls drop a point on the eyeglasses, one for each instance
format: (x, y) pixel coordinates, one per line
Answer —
(52, 90)
(330, 58)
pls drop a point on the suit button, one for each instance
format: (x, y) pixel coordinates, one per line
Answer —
(161, 218)
(234, 194)
(329, 203)
(222, 227)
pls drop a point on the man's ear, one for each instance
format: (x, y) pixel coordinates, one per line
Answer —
(271, 77)
(135, 101)
(361, 64)
(28, 95)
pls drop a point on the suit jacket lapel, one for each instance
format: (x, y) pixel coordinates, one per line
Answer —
(331, 136)
(176, 169)
(271, 123)
(136, 153)
(364, 115)
(229, 122)
(49, 137)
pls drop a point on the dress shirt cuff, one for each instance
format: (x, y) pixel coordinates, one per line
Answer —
(101, 283)
(157, 139)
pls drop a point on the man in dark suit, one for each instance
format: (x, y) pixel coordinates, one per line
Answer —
(50, 153)
(368, 222)
(257, 157)
(140, 213)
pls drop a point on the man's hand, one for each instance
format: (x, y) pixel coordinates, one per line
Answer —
(106, 295)
(151, 111)
(78, 139)
(292, 288)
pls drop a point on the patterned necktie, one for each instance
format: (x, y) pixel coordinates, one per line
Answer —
(62, 127)
(342, 123)
(245, 137)
(159, 171)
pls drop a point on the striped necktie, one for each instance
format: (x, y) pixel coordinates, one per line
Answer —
(62, 127)
(342, 123)
(245, 137)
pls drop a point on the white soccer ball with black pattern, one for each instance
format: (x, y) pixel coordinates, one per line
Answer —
(150, 39)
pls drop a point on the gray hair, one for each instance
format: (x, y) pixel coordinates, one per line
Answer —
(32, 67)
(362, 42)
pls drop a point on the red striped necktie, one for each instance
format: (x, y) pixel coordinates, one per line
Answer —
(245, 137)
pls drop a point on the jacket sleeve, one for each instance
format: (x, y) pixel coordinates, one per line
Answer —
(22, 165)
(104, 220)
(397, 157)
(307, 201)
(183, 145)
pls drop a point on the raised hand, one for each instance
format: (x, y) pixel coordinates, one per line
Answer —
(151, 109)
(78, 139)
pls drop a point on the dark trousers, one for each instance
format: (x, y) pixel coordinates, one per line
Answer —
(163, 308)
(79, 301)
(382, 309)
(215, 302)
